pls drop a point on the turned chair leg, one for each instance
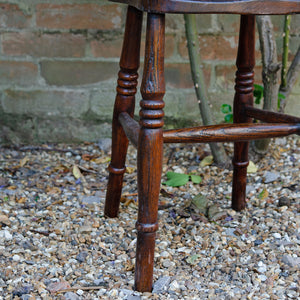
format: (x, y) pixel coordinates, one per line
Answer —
(243, 97)
(150, 150)
(125, 102)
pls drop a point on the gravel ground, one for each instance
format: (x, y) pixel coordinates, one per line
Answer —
(54, 237)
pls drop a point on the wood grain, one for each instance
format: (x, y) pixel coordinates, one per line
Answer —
(230, 133)
(125, 102)
(150, 147)
(269, 116)
(243, 96)
(257, 7)
(148, 135)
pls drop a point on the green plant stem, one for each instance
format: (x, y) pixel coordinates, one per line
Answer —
(285, 52)
(217, 149)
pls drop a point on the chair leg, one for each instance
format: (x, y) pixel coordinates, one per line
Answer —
(150, 150)
(125, 102)
(243, 96)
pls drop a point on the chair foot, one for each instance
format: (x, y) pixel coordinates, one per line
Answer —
(243, 97)
(150, 150)
(125, 102)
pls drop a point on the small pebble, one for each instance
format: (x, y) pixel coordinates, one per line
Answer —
(284, 201)
(277, 235)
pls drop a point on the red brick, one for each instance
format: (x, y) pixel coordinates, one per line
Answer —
(179, 75)
(225, 76)
(113, 47)
(79, 16)
(18, 73)
(229, 23)
(11, 16)
(215, 47)
(218, 47)
(107, 48)
(43, 45)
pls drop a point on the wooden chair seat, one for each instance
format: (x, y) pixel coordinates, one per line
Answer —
(148, 135)
(257, 7)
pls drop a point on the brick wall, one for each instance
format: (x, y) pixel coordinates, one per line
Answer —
(59, 60)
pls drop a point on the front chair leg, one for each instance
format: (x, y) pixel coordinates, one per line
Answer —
(125, 102)
(150, 151)
(243, 97)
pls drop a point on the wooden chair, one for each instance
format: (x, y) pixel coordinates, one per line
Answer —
(148, 135)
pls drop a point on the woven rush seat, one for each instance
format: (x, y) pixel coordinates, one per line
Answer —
(148, 135)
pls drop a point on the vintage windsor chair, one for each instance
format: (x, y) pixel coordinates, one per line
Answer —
(148, 135)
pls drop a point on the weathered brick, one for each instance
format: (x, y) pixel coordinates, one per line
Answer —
(225, 77)
(79, 16)
(102, 103)
(113, 47)
(174, 22)
(45, 103)
(278, 22)
(43, 45)
(179, 75)
(215, 47)
(293, 47)
(229, 23)
(107, 48)
(18, 73)
(204, 24)
(11, 16)
(77, 72)
(218, 47)
(295, 24)
(70, 130)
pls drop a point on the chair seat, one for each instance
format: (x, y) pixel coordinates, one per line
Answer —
(257, 7)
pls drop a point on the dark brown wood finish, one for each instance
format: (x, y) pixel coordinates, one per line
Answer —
(131, 128)
(243, 96)
(150, 147)
(222, 132)
(230, 133)
(148, 135)
(269, 116)
(125, 102)
(258, 7)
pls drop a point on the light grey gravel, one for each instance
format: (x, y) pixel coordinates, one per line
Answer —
(53, 234)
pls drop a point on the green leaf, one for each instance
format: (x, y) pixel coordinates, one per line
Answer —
(226, 108)
(258, 88)
(263, 194)
(207, 161)
(196, 178)
(258, 93)
(257, 100)
(199, 204)
(192, 260)
(281, 96)
(176, 179)
(228, 118)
